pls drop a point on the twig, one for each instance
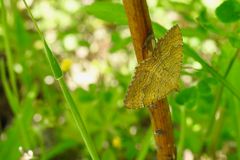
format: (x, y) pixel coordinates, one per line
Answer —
(140, 27)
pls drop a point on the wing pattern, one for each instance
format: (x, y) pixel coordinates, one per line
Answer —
(158, 75)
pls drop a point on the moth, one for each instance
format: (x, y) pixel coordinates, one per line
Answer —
(158, 75)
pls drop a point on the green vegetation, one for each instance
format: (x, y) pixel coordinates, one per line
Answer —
(91, 41)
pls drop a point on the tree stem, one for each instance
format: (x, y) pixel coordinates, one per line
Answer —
(140, 27)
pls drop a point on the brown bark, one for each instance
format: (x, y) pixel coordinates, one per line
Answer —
(140, 28)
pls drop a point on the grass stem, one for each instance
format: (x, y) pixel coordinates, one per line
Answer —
(237, 119)
(13, 101)
(79, 122)
(72, 106)
(145, 145)
(182, 133)
(8, 50)
(217, 106)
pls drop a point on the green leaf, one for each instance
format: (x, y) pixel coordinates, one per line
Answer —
(59, 148)
(204, 88)
(235, 41)
(107, 11)
(85, 96)
(194, 32)
(228, 11)
(56, 69)
(186, 95)
(84, 43)
(208, 23)
(118, 42)
(12, 143)
(158, 29)
(108, 154)
(9, 94)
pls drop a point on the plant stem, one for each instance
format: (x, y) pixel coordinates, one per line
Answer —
(72, 106)
(219, 96)
(182, 133)
(140, 27)
(237, 119)
(78, 120)
(8, 50)
(13, 101)
(145, 145)
(33, 20)
(216, 131)
(217, 106)
(163, 130)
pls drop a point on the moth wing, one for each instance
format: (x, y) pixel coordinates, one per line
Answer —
(134, 97)
(164, 45)
(164, 78)
(156, 77)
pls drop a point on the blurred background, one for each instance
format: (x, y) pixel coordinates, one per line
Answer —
(92, 42)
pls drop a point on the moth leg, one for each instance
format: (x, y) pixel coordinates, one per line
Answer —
(149, 45)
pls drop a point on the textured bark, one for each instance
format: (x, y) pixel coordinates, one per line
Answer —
(140, 28)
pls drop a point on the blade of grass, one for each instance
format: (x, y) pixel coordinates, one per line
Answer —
(8, 50)
(190, 52)
(182, 133)
(72, 106)
(145, 145)
(9, 147)
(78, 119)
(11, 99)
(213, 129)
(237, 119)
(22, 44)
(218, 100)
(14, 106)
(59, 148)
(11, 89)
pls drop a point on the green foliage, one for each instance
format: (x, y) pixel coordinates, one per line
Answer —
(228, 11)
(118, 42)
(107, 11)
(235, 41)
(96, 40)
(187, 95)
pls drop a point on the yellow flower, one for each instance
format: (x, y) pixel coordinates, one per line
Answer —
(116, 142)
(66, 64)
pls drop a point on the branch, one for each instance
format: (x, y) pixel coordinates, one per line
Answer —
(140, 28)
